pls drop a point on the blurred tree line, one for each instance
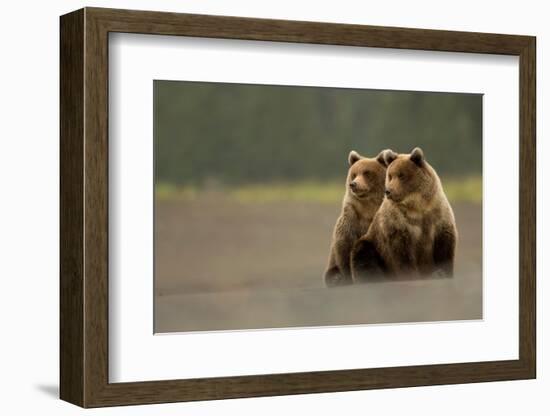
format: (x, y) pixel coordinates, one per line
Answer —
(241, 134)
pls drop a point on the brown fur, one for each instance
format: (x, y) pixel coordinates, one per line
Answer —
(364, 194)
(414, 231)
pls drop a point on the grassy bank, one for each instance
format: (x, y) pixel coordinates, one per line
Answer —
(468, 189)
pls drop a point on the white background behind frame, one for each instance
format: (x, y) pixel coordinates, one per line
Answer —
(136, 355)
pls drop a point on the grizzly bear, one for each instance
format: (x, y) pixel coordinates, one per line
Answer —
(364, 194)
(414, 231)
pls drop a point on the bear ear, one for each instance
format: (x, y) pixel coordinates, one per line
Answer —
(381, 157)
(417, 156)
(353, 157)
(389, 156)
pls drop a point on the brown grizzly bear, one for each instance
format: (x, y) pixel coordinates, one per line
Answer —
(364, 194)
(414, 231)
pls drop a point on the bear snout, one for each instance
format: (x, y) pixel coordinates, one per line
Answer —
(353, 185)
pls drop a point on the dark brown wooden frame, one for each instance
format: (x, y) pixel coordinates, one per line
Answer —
(84, 214)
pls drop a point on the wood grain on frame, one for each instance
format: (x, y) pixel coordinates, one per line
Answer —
(84, 207)
(71, 197)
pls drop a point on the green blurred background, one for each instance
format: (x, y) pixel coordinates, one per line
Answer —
(269, 142)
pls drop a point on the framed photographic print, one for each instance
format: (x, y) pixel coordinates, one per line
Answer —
(255, 207)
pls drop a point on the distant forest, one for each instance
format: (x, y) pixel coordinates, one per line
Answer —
(249, 134)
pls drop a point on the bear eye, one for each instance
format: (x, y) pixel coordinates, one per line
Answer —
(401, 176)
(366, 173)
(389, 177)
(353, 176)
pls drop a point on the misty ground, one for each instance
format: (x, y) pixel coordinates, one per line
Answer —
(227, 264)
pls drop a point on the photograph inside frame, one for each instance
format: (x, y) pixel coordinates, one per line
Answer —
(292, 206)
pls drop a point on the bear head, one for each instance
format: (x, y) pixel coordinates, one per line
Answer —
(409, 177)
(366, 175)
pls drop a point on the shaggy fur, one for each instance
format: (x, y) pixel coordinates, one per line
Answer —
(364, 194)
(414, 230)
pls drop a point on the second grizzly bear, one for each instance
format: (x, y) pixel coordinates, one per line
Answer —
(364, 194)
(414, 231)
